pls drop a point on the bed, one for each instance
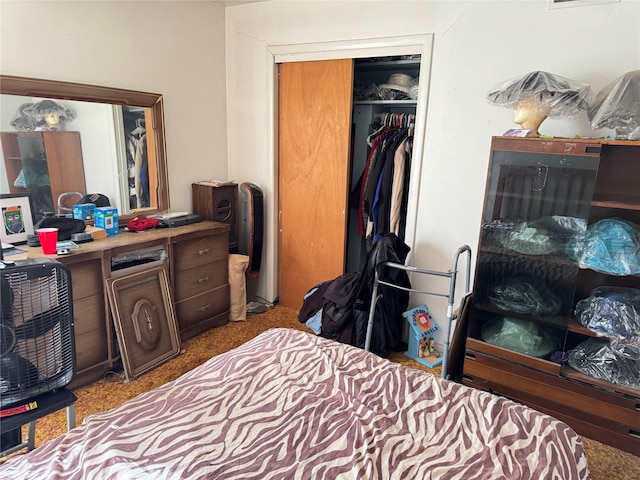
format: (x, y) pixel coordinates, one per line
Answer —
(291, 405)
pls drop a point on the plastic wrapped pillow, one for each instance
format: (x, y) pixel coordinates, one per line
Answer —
(609, 246)
(522, 296)
(521, 336)
(613, 312)
(543, 236)
(558, 95)
(529, 240)
(617, 363)
(617, 106)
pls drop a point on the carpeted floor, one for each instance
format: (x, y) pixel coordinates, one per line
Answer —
(604, 462)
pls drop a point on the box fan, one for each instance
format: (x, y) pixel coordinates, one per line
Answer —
(37, 349)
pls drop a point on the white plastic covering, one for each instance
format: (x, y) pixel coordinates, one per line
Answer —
(558, 95)
(617, 106)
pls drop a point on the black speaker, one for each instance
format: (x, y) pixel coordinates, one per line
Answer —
(218, 203)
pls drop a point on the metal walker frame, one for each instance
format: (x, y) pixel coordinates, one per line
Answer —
(450, 295)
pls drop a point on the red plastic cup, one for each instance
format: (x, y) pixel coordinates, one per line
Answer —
(48, 239)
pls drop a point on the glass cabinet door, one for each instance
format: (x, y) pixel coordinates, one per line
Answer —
(537, 208)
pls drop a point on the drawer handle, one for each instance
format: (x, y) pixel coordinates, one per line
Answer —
(203, 279)
(204, 308)
(203, 251)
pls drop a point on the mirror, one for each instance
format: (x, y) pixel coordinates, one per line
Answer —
(112, 144)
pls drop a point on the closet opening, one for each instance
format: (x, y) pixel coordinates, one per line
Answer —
(385, 97)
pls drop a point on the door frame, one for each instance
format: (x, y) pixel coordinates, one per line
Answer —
(334, 50)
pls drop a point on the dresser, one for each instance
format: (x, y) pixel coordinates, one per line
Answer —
(196, 258)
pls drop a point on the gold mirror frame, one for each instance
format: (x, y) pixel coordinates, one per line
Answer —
(31, 87)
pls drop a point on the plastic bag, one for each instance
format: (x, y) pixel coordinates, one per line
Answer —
(544, 236)
(522, 296)
(521, 336)
(555, 94)
(610, 246)
(617, 106)
(613, 312)
(617, 363)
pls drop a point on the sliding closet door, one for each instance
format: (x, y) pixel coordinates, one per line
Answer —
(314, 142)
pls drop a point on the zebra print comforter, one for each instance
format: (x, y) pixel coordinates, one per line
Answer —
(290, 405)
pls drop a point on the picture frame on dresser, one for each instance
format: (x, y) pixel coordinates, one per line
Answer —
(17, 217)
(144, 317)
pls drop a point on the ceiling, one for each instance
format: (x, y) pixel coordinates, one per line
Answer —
(231, 3)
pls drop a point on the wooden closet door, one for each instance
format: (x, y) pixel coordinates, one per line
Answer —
(314, 144)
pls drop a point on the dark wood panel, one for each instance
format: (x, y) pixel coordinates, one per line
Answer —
(553, 389)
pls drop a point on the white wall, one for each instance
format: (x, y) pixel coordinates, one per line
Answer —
(176, 49)
(476, 45)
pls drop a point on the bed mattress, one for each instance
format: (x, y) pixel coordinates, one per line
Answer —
(291, 405)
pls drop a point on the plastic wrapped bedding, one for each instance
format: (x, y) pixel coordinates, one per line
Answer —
(543, 236)
(522, 295)
(610, 246)
(614, 362)
(617, 106)
(613, 312)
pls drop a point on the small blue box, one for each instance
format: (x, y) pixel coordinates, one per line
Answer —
(421, 342)
(107, 219)
(84, 211)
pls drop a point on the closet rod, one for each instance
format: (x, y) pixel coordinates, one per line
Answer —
(380, 116)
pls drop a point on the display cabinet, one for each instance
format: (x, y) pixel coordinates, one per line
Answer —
(539, 256)
(45, 165)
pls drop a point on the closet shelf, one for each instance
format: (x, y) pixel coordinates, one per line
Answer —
(388, 65)
(385, 102)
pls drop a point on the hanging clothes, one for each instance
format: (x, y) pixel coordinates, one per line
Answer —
(383, 185)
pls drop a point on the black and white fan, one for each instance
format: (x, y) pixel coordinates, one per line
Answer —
(37, 348)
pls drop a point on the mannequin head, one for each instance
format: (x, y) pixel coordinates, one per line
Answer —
(53, 120)
(529, 114)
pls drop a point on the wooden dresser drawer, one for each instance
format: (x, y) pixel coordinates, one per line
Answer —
(94, 351)
(88, 316)
(86, 278)
(201, 307)
(198, 251)
(200, 279)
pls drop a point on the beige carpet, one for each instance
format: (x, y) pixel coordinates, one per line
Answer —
(604, 462)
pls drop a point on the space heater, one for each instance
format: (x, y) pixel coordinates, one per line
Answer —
(37, 348)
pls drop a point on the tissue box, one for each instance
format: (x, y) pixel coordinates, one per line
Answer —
(107, 219)
(84, 211)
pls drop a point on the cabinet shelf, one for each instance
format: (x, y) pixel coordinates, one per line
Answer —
(386, 102)
(621, 202)
(570, 372)
(500, 252)
(557, 321)
(389, 65)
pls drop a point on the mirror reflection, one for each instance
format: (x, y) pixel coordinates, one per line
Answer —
(60, 149)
